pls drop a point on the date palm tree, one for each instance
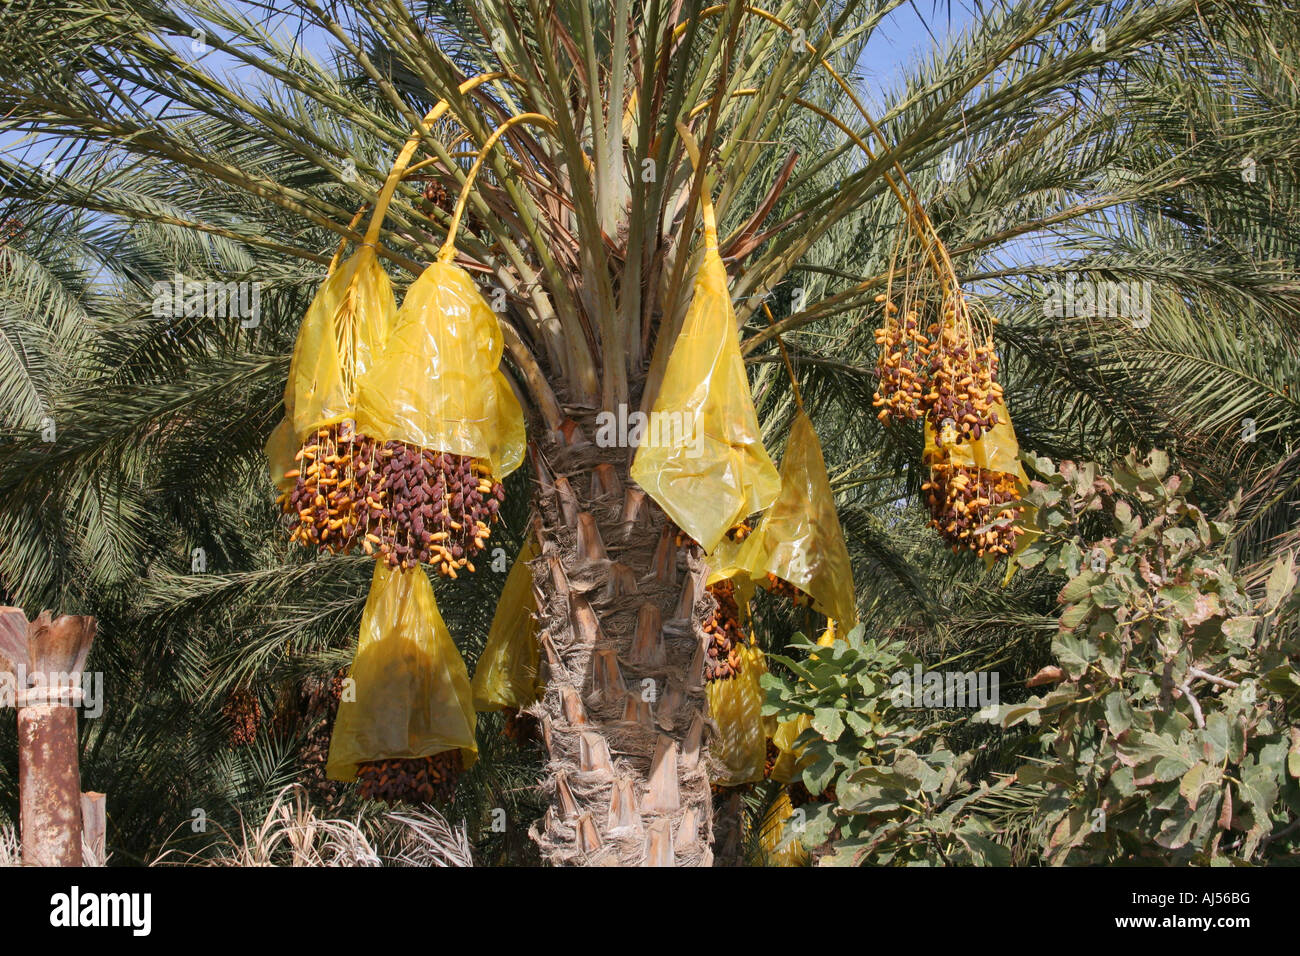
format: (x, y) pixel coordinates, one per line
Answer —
(217, 124)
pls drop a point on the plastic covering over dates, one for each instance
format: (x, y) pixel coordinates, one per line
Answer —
(971, 482)
(725, 564)
(507, 674)
(797, 548)
(780, 847)
(739, 749)
(338, 341)
(438, 384)
(997, 450)
(412, 688)
(800, 540)
(702, 456)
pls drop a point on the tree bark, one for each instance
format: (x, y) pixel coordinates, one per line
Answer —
(623, 718)
(49, 785)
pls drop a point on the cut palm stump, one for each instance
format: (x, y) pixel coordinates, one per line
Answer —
(49, 780)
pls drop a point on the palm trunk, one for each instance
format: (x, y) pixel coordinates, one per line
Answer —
(623, 716)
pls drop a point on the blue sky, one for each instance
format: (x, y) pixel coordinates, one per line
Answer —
(906, 34)
(909, 31)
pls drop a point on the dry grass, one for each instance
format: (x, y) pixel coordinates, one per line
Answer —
(10, 850)
(11, 853)
(426, 839)
(292, 835)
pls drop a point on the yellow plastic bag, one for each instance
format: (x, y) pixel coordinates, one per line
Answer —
(789, 763)
(339, 340)
(508, 670)
(702, 456)
(800, 539)
(996, 450)
(726, 562)
(777, 850)
(412, 689)
(438, 384)
(280, 448)
(736, 705)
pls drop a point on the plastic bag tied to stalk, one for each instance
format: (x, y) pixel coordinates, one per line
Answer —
(726, 562)
(702, 456)
(412, 689)
(740, 747)
(446, 426)
(438, 384)
(508, 671)
(779, 847)
(971, 482)
(339, 340)
(997, 450)
(799, 539)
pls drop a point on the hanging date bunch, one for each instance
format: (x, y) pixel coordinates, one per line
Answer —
(936, 358)
(973, 488)
(508, 674)
(435, 196)
(326, 507)
(316, 704)
(707, 485)
(431, 508)
(446, 424)
(945, 371)
(783, 588)
(733, 669)
(725, 634)
(411, 780)
(408, 731)
(315, 453)
(244, 715)
(963, 502)
(971, 448)
(797, 549)
(734, 535)
(738, 749)
(902, 363)
(399, 427)
(740, 532)
(963, 391)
